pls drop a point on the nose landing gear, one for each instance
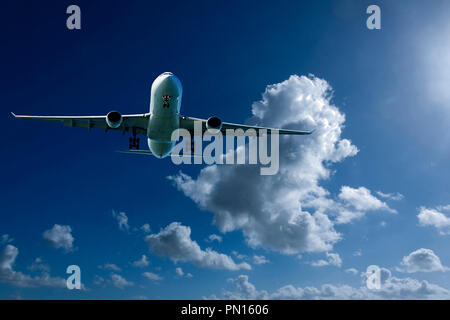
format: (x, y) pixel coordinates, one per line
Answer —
(166, 99)
(134, 142)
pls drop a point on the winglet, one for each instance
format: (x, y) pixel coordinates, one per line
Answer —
(14, 114)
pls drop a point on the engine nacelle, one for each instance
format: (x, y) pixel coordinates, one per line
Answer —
(114, 119)
(214, 125)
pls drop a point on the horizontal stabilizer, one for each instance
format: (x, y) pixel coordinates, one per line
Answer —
(148, 152)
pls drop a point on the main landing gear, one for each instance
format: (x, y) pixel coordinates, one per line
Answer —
(134, 142)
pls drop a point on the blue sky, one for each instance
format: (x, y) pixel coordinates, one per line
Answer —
(391, 85)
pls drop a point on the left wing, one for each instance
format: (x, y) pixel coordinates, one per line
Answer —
(138, 122)
(188, 124)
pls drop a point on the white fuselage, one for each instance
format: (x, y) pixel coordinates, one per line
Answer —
(165, 103)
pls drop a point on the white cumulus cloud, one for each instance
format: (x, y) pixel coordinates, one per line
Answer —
(362, 199)
(391, 288)
(286, 212)
(422, 260)
(59, 236)
(174, 241)
(435, 217)
(18, 279)
(181, 273)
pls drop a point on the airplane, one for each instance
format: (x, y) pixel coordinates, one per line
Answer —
(158, 124)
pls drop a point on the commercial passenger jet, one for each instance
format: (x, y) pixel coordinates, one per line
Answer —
(158, 124)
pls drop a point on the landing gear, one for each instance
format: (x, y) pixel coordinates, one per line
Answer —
(166, 99)
(134, 142)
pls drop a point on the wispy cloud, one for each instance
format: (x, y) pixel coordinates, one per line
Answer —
(260, 259)
(39, 265)
(122, 220)
(332, 259)
(152, 276)
(5, 238)
(110, 267)
(141, 263)
(120, 282)
(391, 196)
(146, 228)
(214, 237)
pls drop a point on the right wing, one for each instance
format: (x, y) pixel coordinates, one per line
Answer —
(188, 124)
(139, 122)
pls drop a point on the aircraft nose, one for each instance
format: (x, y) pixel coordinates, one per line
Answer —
(171, 80)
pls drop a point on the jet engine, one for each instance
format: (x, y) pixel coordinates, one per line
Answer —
(214, 125)
(114, 119)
